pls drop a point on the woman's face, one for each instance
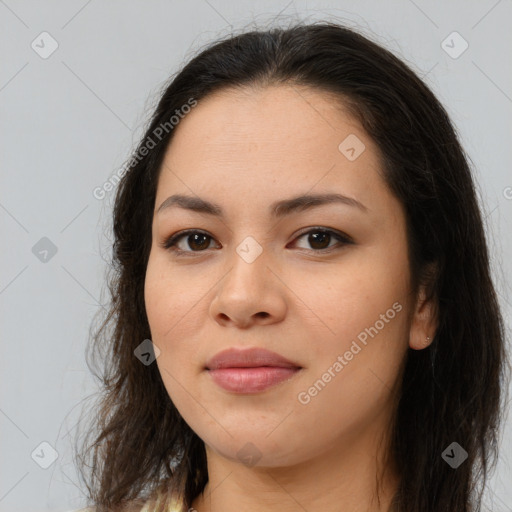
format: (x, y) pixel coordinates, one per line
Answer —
(266, 277)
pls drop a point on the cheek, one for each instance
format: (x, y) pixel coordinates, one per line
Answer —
(168, 299)
(163, 311)
(173, 305)
(155, 299)
(366, 311)
(167, 320)
(337, 305)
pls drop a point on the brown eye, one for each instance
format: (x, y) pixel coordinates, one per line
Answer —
(187, 243)
(197, 241)
(319, 239)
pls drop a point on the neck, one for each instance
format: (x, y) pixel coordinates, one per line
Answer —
(356, 479)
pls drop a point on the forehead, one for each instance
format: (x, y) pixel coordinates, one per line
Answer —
(261, 142)
(265, 120)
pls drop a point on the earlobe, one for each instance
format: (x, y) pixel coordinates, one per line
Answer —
(426, 342)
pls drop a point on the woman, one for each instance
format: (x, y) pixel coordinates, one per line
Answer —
(303, 313)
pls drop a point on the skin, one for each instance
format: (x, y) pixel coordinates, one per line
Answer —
(244, 149)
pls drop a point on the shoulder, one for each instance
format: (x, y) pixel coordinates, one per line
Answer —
(148, 507)
(174, 506)
(133, 506)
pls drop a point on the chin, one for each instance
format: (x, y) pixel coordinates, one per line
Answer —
(253, 449)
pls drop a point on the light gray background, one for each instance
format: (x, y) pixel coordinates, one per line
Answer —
(68, 123)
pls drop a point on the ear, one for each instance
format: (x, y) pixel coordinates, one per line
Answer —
(425, 321)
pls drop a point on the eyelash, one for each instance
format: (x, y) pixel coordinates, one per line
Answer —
(170, 243)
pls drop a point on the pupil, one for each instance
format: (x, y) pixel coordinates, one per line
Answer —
(201, 246)
(314, 239)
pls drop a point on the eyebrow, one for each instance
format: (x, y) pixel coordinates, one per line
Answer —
(278, 209)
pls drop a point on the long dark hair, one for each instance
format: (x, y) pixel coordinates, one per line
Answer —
(450, 391)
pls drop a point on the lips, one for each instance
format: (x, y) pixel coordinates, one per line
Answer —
(248, 358)
(250, 370)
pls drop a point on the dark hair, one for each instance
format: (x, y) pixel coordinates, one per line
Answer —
(450, 391)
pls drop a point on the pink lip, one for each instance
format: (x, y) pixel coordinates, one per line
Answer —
(249, 370)
(248, 358)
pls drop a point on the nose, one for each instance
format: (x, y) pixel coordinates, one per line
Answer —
(249, 294)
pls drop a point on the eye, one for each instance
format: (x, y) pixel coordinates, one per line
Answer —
(319, 238)
(194, 239)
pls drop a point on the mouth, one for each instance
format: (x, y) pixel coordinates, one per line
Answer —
(251, 379)
(250, 370)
